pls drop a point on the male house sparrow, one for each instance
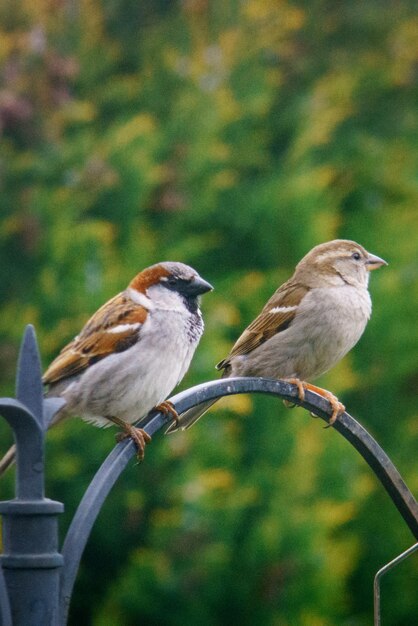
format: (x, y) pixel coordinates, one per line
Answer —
(131, 354)
(307, 326)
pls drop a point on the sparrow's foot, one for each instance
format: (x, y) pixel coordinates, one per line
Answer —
(138, 435)
(300, 385)
(337, 407)
(168, 409)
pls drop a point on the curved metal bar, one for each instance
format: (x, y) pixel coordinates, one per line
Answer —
(85, 517)
(117, 460)
(90, 506)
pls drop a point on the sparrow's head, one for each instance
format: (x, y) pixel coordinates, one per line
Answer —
(338, 262)
(168, 284)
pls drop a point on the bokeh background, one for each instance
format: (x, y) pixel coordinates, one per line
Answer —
(231, 135)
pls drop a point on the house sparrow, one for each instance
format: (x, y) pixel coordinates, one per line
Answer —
(133, 351)
(307, 326)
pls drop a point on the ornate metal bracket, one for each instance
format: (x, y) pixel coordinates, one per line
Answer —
(31, 548)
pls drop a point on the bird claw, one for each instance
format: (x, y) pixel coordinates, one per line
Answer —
(138, 435)
(337, 407)
(167, 408)
(301, 390)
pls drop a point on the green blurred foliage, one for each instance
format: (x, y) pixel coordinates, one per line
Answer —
(233, 136)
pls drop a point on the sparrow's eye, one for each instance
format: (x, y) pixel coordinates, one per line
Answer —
(356, 256)
(172, 281)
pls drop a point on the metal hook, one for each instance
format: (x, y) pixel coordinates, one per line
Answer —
(377, 579)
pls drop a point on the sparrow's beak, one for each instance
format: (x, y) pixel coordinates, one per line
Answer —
(198, 286)
(374, 262)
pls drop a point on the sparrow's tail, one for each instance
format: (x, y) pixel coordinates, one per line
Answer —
(8, 459)
(188, 418)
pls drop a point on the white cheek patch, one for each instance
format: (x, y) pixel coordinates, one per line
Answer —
(140, 298)
(123, 328)
(282, 309)
(165, 299)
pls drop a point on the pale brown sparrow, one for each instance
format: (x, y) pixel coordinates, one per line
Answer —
(131, 354)
(307, 326)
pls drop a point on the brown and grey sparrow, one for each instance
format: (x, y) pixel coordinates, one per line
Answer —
(307, 326)
(131, 354)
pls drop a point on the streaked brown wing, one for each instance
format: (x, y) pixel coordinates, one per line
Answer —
(270, 321)
(113, 328)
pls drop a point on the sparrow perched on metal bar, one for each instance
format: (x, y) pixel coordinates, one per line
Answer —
(307, 326)
(131, 354)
